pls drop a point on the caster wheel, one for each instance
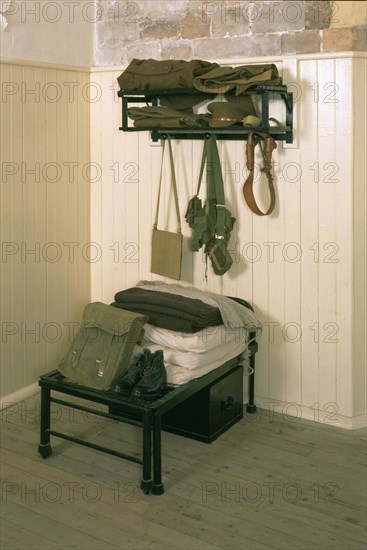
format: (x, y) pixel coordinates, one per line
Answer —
(45, 450)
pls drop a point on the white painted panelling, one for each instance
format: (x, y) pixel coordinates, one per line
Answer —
(359, 274)
(45, 217)
(296, 266)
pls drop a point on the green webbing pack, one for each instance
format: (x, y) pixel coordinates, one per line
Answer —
(103, 346)
(212, 223)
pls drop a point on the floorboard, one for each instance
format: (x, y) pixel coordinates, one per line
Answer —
(267, 483)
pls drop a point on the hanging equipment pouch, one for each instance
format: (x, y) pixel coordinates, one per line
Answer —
(213, 223)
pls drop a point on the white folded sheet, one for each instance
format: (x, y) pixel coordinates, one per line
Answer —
(184, 366)
(198, 342)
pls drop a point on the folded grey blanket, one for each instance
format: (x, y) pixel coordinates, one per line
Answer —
(171, 311)
(234, 315)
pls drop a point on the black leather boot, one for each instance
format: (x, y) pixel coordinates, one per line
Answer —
(125, 383)
(153, 379)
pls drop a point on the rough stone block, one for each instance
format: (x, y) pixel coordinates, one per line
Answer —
(157, 29)
(161, 8)
(142, 50)
(227, 18)
(239, 46)
(337, 40)
(112, 39)
(172, 49)
(345, 39)
(276, 16)
(301, 42)
(348, 14)
(120, 11)
(360, 38)
(110, 33)
(318, 15)
(230, 24)
(194, 27)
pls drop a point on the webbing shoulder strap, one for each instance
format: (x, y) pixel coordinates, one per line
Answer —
(248, 192)
(174, 185)
(215, 186)
(214, 176)
(203, 161)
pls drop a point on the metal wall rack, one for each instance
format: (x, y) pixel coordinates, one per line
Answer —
(234, 132)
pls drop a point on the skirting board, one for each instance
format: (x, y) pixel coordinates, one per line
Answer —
(18, 396)
(323, 414)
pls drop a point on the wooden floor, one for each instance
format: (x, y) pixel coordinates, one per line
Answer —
(269, 482)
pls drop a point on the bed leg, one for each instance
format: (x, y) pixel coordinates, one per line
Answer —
(253, 347)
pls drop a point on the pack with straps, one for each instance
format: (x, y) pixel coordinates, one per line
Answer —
(103, 346)
(212, 222)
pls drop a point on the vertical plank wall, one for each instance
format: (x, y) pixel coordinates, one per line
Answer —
(45, 217)
(297, 267)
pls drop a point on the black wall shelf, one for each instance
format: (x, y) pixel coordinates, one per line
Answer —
(234, 132)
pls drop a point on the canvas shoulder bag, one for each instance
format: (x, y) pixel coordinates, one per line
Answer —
(167, 245)
(103, 346)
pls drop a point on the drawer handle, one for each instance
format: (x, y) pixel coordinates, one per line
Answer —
(227, 404)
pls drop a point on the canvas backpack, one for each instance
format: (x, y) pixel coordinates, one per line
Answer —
(103, 346)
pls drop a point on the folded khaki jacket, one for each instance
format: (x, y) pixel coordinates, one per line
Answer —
(224, 79)
(154, 74)
(164, 117)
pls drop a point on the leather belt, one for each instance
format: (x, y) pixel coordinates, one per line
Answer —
(248, 192)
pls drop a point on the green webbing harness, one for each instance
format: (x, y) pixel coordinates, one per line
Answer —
(212, 223)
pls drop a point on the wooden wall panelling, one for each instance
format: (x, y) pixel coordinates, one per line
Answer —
(28, 213)
(64, 214)
(292, 255)
(39, 293)
(51, 233)
(327, 232)
(342, 188)
(125, 160)
(308, 135)
(359, 353)
(17, 314)
(96, 121)
(149, 167)
(109, 187)
(83, 190)
(6, 287)
(42, 211)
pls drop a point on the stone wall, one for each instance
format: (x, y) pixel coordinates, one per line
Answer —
(227, 29)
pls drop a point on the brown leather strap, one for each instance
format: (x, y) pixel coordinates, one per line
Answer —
(248, 192)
